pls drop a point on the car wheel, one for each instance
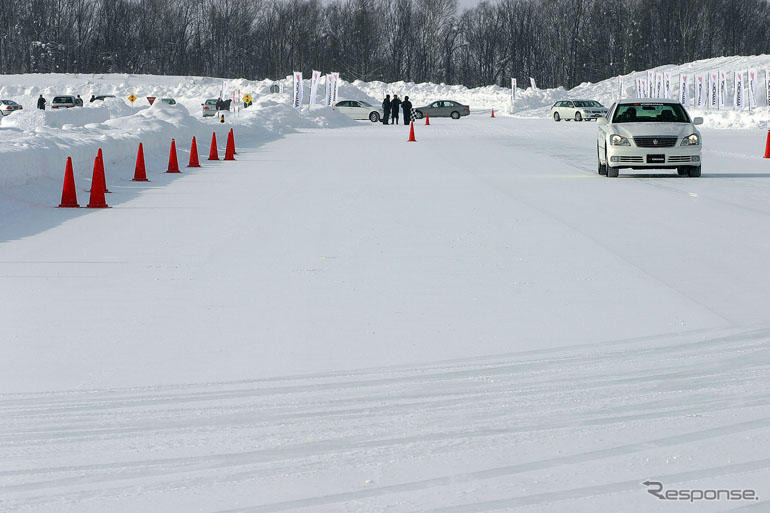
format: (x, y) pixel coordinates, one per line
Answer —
(419, 114)
(455, 115)
(601, 168)
(682, 171)
(612, 172)
(578, 117)
(556, 117)
(695, 171)
(374, 117)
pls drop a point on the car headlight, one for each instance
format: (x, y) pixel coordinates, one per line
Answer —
(691, 140)
(619, 140)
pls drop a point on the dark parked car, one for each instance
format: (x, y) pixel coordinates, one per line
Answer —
(443, 109)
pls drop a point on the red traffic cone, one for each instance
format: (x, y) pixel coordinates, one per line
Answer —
(69, 196)
(173, 165)
(194, 154)
(233, 135)
(101, 170)
(411, 133)
(230, 149)
(767, 146)
(97, 188)
(493, 113)
(427, 119)
(139, 173)
(213, 155)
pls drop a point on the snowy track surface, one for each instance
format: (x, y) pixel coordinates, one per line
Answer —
(341, 321)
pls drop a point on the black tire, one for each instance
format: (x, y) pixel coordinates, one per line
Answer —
(578, 117)
(418, 114)
(683, 171)
(695, 171)
(556, 117)
(455, 115)
(374, 117)
(601, 168)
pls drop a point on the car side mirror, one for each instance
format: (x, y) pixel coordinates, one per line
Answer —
(601, 121)
(697, 121)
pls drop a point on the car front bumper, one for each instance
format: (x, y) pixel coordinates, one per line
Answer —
(656, 158)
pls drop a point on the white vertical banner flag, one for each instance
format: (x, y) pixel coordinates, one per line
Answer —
(722, 89)
(738, 99)
(650, 83)
(645, 88)
(620, 87)
(666, 84)
(328, 91)
(532, 83)
(335, 86)
(297, 89)
(684, 90)
(753, 79)
(714, 90)
(638, 87)
(700, 91)
(513, 93)
(658, 85)
(767, 86)
(223, 91)
(314, 86)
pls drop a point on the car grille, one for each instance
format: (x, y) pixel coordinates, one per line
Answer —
(631, 158)
(655, 141)
(679, 158)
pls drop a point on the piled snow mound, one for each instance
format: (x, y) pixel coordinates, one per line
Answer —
(37, 143)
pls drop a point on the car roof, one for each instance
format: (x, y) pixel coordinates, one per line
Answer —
(646, 100)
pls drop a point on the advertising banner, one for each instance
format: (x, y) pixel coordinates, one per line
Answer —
(658, 85)
(684, 90)
(753, 79)
(714, 90)
(335, 86)
(297, 89)
(650, 84)
(739, 101)
(722, 89)
(700, 91)
(314, 86)
(513, 93)
(667, 84)
(328, 91)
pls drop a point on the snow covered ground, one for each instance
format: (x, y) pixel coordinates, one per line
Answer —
(344, 321)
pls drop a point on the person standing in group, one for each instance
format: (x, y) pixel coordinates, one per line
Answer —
(41, 103)
(406, 105)
(394, 106)
(386, 109)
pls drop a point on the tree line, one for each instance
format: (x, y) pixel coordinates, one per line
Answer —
(558, 42)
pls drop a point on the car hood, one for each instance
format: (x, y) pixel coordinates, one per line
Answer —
(650, 129)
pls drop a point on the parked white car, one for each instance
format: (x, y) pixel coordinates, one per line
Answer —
(8, 106)
(359, 109)
(643, 134)
(209, 107)
(63, 102)
(577, 110)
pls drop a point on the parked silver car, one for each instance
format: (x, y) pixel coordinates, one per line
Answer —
(8, 106)
(209, 107)
(578, 110)
(443, 109)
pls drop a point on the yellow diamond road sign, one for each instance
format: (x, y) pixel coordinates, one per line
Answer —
(247, 98)
(132, 98)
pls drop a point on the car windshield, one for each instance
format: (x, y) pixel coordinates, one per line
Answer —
(211, 102)
(647, 112)
(582, 103)
(596, 104)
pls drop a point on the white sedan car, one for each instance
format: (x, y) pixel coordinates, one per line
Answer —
(359, 109)
(8, 106)
(577, 110)
(644, 134)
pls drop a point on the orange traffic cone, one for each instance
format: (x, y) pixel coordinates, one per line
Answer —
(194, 154)
(69, 196)
(767, 146)
(97, 187)
(213, 155)
(233, 135)
(427, 119)
(140, 174)
(173, 165)
(493, 113)
(101, 170)
(230, 149)
(411, 132)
